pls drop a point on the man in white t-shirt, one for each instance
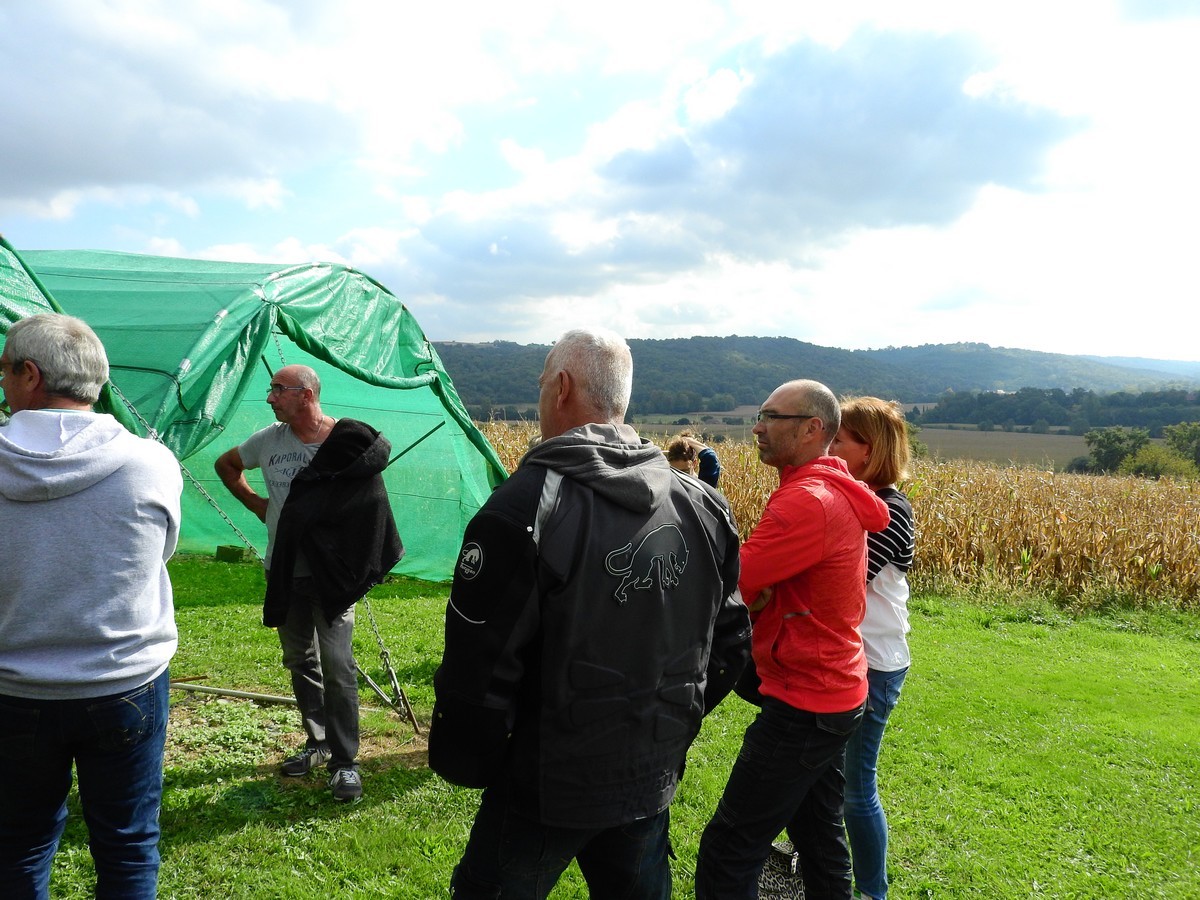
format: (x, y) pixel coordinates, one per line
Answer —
(317, 650)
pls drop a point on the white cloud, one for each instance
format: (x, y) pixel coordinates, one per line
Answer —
(578, 231)
(59, 206)
(857, 174)
(255, 193)
(713, 96)
(167, 247)
(522, 159)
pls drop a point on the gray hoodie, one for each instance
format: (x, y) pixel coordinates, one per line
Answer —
(90, 515)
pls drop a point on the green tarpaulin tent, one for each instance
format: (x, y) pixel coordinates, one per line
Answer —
(192, 345)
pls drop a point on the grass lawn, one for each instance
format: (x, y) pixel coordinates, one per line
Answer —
(1032, 755)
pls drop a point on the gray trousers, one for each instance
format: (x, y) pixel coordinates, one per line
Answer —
(320, 656)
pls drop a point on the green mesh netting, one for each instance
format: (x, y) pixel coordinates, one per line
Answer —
(192, 345)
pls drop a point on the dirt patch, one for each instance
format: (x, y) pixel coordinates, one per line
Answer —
(202, 725)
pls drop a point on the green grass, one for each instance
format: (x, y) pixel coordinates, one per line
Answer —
(1032, 755)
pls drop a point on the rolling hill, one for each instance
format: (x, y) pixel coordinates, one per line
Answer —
(678, 373)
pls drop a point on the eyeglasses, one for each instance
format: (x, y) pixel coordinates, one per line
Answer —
(276, 390)
(773, 416)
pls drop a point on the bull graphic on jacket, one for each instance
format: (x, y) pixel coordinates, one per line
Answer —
(659, 560)
(586, 706)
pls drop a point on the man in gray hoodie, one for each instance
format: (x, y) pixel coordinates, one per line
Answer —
(87, 626)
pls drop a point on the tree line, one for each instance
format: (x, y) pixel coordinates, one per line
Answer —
(1078, 411)
(718, 374)
(1129, 451)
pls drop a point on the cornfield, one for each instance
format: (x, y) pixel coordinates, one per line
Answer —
(1084, 540)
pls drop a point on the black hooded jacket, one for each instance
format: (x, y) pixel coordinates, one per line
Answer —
(338, 517)
(593, 621)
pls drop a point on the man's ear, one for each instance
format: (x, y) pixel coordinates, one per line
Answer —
(819, 434)
(566, 388)
(32, 373)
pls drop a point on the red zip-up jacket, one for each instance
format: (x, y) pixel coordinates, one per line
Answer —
(810, 548)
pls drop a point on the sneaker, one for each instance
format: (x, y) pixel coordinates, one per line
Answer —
(305, 761)
(346, 785)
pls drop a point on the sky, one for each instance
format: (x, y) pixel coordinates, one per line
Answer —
(855, 175)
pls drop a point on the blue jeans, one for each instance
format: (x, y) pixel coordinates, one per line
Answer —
(320, 657)
(116, 745)
(788, 775)
(511, 855)
(866, 823)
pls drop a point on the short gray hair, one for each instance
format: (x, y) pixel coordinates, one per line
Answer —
(65, 350)
(601, 363)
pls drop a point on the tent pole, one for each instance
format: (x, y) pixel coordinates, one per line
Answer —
(226, 692)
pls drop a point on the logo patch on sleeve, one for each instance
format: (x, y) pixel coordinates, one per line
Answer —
(470, 561)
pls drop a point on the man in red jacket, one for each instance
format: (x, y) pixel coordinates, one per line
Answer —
(804, 578)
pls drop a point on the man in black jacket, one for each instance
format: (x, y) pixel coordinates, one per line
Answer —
(330, 538)
(592, 623)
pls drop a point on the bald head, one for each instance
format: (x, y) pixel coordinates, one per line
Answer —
(820, 402)
(797, 423)
(300, 376)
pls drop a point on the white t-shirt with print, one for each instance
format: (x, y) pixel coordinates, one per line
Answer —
(280, 454)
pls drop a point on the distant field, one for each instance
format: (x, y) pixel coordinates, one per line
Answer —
(1053, 450)
(1003, 447)
(662, 424)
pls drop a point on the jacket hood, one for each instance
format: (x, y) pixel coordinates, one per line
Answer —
(612, 460)
(50, 453)
(353, 450)
(872, 512)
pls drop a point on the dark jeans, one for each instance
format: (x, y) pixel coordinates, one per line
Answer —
(512, 856)
(116, 745)
(788, 775)
(320, 656)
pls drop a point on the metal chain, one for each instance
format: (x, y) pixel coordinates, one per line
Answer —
(398, 700)
(278, 347)
(153, 434)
